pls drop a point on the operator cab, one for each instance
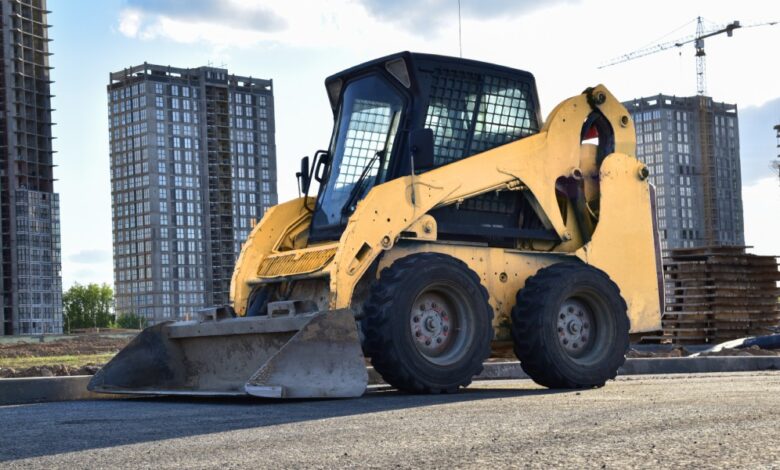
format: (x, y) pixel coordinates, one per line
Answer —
(444, 108)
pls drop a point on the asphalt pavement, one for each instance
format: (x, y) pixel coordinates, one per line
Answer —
(705, 420)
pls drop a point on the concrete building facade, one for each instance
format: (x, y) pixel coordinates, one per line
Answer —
(30, 268)
(193, 167)
(691, 146)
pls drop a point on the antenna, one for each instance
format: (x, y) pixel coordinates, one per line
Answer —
(460, 33)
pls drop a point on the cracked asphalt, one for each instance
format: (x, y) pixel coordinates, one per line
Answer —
(702, 421)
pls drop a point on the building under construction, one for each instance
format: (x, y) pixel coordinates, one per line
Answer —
(193, 166)
(691, 146)
(31, 287)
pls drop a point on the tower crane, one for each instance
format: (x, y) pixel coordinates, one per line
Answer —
(697, 39)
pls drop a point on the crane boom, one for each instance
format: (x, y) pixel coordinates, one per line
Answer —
(697, 39)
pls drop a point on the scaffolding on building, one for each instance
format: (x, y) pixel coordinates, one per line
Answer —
(708, 170)
(220, 184)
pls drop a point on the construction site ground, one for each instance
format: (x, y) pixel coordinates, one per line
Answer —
(84, 353)
(702, 421)
(26, 356)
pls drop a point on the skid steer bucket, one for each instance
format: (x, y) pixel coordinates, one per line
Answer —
(296, 356)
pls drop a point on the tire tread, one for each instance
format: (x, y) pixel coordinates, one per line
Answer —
(379, 312)
(527, 325)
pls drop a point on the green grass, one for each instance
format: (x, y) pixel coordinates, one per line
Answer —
(76, 361)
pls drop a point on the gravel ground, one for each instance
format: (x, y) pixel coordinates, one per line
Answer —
(702, 421)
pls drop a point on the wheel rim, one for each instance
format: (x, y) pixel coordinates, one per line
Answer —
(440, 324)
(582, 325)
(575, 327)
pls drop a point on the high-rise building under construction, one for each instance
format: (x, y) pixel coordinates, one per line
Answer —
(691, 146)
(193, 166)
(31, 286)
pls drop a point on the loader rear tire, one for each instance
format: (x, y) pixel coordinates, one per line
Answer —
(428, 324)
(569, 327)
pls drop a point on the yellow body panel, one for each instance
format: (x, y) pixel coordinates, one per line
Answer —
(264, 239)
(622, 244)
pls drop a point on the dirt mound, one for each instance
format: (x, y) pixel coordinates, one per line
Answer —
(676, 352)
(56, 370)
(66, 346)
(751, 351)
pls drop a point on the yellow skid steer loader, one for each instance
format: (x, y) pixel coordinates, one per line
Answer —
(449, 220)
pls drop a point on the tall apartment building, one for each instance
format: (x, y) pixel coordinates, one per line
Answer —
(193, 166)
(691, 146)
(29, 208)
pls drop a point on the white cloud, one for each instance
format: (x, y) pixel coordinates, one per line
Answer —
(130, 22)
(427, 17)
(345, 24)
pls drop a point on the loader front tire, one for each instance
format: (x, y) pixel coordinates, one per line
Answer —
(427, 324)
(569, 327)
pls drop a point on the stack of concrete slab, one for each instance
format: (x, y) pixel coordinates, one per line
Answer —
(716, 294)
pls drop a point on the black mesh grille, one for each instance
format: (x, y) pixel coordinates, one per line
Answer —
(367, 134)
(501, 203)
(504, 114)
(453, 98)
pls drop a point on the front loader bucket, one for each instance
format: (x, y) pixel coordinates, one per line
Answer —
(297, 356)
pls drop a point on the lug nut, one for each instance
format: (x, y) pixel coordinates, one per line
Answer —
(565, 341)
(563, 316)
(416, 319)
(438, 340)
(574, 345)
(427, 342)
(445, 328)
(579, 314)
(422, 307)
(560, 329)
(417, 334)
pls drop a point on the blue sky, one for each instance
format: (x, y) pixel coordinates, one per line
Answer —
(299, 43)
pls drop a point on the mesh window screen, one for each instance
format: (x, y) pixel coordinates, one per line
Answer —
(453, 98)
(366, 135)
(504, 114)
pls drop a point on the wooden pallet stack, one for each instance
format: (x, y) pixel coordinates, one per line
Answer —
(716, 294)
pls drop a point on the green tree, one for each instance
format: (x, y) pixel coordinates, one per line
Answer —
(88, 306)
(131, 321)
